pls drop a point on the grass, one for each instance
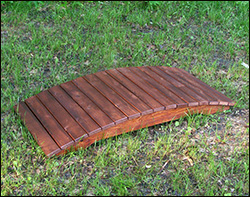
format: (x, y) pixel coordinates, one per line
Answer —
(46, 44)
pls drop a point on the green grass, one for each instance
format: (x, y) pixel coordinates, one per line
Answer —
(46, 44)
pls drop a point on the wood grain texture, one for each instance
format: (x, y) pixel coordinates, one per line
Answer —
(131, 98)
(223, 100)
(97, 106)
(134, 88)
(145, 121)
(147, 87)
(187, 91)
(112, 111)
(162, 85)
(88, 105)
(53, 127)
(79, 114)
(42, 137)
(62, 116)
(128, 109)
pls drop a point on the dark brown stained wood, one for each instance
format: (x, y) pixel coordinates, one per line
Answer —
(150, 101)
(155, 93)
(187, 84)
(152, 78)
(49, 122)
(186, 94)
(62, 116)
(113, 112)
(121, 90)
(113, 97)
(197, 91)
(223, 100)
(39, 133)
(86, 122)
(176, 86)
(125, 93)
(91, 108)
(146, 121)
(108, 103)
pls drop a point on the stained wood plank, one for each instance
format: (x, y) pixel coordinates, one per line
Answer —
(42, 137)
(49, 122)
(186, 94)
(135, 89)
(112, 96)
(86, 122)
(112, 102)
(223, 100)
(62, 116)
(152, 78)
(155, 93)
(125, 93)
(113, 112)
(148, 120)
(88, 105)
(182, 80)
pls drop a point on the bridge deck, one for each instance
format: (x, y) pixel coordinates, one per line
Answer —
(108, 103)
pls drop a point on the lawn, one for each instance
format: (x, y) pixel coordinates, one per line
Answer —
(44, 44)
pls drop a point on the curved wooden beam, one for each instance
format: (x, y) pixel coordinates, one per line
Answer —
(108, 103)
(144, 121)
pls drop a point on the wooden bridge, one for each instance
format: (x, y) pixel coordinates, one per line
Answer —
(108, 103)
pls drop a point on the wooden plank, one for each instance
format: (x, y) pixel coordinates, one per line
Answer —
(36, 129)
(124, 93)
(62, 116)
(113, 97)
(182, 80)
(113, 112)
(132, 87)
(112, 102)
(49, 122)
(91, 108)
(86, 122)
(186, 94)
(223, 100)
(153, 79)
(146, 121)
(155, 93)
